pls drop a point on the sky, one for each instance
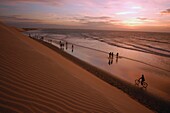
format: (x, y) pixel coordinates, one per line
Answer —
(135, 15)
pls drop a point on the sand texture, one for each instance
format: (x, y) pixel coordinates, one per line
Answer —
(36, 79)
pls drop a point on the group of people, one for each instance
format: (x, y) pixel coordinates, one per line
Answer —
(66, 45)
(111, 57)
(36, 36)
(110, 54)
(141, 79)
(61, 45)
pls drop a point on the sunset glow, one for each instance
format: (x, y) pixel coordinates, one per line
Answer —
(88, 14)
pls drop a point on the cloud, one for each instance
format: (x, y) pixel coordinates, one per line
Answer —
(95, 20)
(167, 11)
(88, 3)
(146, 20)
(85, 3)
(100, 17)
(18, 18)
(96, 23)
(126, 12)
(87, 21)
(136, 7)
(142, 18)
(49, 2)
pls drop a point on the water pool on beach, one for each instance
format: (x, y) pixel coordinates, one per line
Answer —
(139, 54)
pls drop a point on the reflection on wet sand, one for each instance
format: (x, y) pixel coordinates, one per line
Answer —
(121, 65)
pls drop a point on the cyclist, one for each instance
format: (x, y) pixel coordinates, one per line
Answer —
(142, 79)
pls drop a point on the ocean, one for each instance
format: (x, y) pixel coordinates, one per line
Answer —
(140, 53)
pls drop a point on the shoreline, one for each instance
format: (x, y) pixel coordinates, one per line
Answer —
(142, 62)
(150, 101)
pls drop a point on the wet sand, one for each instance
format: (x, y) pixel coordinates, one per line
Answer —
(129, 66)
(154, 102)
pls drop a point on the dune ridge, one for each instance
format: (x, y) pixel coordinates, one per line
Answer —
(36, 79)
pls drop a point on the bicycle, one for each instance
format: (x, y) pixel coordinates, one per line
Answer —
(137, 82)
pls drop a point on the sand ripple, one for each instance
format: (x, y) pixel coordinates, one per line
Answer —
(31, 82)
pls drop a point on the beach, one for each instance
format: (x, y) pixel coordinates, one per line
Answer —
(139, 53)
(142, 95)
(35, 78)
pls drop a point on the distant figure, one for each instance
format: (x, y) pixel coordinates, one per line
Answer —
(109, 54)
(51, 41)
(29, 35)
(60, 44)
(42, 38)
(63, 46)
(72, 47)
(117, 55)
(142, 79)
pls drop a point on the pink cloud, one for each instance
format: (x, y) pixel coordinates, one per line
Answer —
(140, 18)
(48, 2)
(167, 11)
(18, 18)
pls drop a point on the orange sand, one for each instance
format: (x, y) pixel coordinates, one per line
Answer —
(34, 78)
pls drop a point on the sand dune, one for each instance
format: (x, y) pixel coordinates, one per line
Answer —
(36, 79)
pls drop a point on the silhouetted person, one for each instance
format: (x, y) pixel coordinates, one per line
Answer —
(60, 44)
(42, 38)
(142, 79)
(117, 55)
(72, 47)
(110, 55)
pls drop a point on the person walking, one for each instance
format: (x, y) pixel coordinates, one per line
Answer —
(72, 47)
(117, 55)
(109, 54)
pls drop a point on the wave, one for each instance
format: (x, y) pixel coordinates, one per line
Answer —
(154, 40)
(134, 47)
